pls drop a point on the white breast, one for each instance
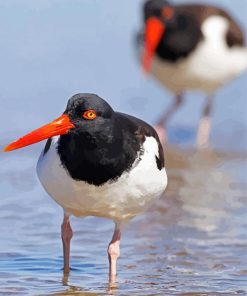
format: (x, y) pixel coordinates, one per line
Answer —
(209, 66)
(123, 199)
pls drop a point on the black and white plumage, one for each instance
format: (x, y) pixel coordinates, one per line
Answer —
(191, 47)
(115, 162)
(99, 162)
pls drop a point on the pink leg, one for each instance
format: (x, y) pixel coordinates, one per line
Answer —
(204, 127)
(66, 234)
(161, 132)
(161, 124)
(114, 252)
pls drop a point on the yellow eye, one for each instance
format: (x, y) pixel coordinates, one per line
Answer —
(90, 114)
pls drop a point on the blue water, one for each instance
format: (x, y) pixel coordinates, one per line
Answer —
(192, 241)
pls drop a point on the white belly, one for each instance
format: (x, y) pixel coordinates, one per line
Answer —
(131, 194)
(209, 66)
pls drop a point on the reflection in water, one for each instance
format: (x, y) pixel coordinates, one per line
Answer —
(205, 190)
(191, 242)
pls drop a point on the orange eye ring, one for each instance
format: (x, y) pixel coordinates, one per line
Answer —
(90, 114)
(167, 12)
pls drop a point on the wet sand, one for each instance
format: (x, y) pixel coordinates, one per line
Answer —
(191, 242)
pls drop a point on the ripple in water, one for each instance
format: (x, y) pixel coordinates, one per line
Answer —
(191, 242)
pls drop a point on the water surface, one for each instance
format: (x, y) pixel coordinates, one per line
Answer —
(191, 242)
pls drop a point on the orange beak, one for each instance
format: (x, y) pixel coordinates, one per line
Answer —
(59, 126)
(154, 30)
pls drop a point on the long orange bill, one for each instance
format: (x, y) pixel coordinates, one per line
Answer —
(154, 30)
(59, 126)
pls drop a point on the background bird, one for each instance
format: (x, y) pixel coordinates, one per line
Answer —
(97, 162)
(190, 47)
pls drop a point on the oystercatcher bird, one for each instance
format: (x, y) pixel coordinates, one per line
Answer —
(190, 47)
(98, 162)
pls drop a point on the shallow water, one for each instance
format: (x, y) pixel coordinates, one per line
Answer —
(191, 242)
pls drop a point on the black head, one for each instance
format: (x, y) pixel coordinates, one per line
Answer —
(86, 116)
(170, 32)
(87, 110)
(157, 8)
(157, 16)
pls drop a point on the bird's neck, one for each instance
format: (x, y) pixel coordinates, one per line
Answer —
(95, 157)
(179, 40)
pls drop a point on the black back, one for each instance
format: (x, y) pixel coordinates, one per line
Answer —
(234, 35)
(100, 150)
(183, 31)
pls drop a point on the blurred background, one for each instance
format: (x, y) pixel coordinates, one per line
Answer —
(194, 239)
(53, 49)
